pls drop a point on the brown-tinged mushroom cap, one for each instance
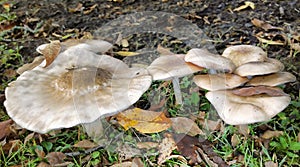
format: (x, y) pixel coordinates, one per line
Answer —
(259, 68)
(78, 87)
(241, 54)
(214, 82)
(272, 79)
(203, 58)
(167, 67)
(236, 110)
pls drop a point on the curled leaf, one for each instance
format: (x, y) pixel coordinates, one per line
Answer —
(143, 121)
(50, 51)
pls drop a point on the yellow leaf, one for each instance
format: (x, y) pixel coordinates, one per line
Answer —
(247, 4)
(127, 54)
(269, 42)
(143, 121)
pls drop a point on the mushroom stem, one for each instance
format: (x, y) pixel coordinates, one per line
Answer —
(177, 91)
(94, 129)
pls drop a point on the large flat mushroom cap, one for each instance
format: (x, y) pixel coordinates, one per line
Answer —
(272, 79)
(78, 87)
(259, 68)
(241, 54)
(167, 67)
(236, 110)
(203, 58)
(214, 82)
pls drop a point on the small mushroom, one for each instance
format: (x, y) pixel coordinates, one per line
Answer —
(241, 54)
(78, 87)
(214, 82)
(259, 68)
(237, 110)
(203, 58)
(272, 79)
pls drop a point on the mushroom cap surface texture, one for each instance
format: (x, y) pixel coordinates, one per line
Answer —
(237, 110)
(204, 58)
(79, 86)
(272, 79)
(214, 82)
(167, 67)
(241, 54)
(259, 68)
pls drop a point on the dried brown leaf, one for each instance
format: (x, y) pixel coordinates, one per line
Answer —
(123, 164)
(185, 125)
(50, 51)
(264, 25)
(251, 91)
(5, 129)
(271, 164)
(165, 148)
(28, 137)
(243, 129)
(137, 162)
(85, 144)
(39, 153)
(270, 134)
(126, 152)
(55, 158)
(143, 121)
(235, 140)
(146, 145)
(43, 164)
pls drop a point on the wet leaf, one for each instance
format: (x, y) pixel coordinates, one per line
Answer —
(165, 148)
(251, 91)
(246, 5)
(270, 134)
(50, 51)
(5, 129)
(127, 54)
(185, 125)
(85, 144)
(143, 121)
(55, 158)
(264, 25)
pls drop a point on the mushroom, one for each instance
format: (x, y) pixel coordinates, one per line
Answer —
(237, 110)
(272, 79)
(259, 68)
(214, 82)
(171, 67)
(241, 54)
(79, 86)
(203, 58)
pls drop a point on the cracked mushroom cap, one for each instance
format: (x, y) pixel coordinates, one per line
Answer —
(241, 54)
(167, 67)
(236, 110)
(203, 58)
(214, 82)
(272, 79)
(259, 68)
(79, 86)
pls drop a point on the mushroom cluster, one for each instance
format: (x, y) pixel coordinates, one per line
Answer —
(248, 93)
(75, 84)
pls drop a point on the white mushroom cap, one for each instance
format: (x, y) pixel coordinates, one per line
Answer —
(259, 68)
(203, 58)
(214, 82)
(78, 87)
(167, 67)
(236, 110)
(272, 79)
(241, 54)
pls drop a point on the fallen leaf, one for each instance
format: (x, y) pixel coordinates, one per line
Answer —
(165, 148)
(143, 121)
(50, 51)
(28, 137)
(38, 60)
(269, 42)
(271, 164)
(213, 125)
(11, 146)
(43, 164)
(243, 129)
(251, 91)
(123, 164)
(137, 162)
(146, 145)
(127, 54)
(185, 125)
(264, 25)
(55, 158)
(5, 129)
(85, 144)
(270, 134)
(235, 140)
(246, 5)
(126, 151)
(39, 153)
